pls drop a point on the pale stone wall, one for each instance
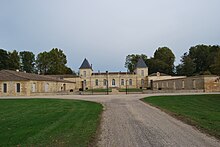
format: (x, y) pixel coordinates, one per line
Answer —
(205, 83)
(28, 88)
(12, 88)
(212, 83)
(97, 81)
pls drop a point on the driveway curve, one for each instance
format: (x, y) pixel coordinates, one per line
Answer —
(129, 122)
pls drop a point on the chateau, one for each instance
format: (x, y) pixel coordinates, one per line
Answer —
(16, 83)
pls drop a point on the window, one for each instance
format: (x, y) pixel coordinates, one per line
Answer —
(142, 72)
(194, 84)
(46, 87)
(33, 87)
(122, 82)
(113, 82)
(5, 88)
(183, 84)
(84, 82)
(96, 82)
(130, 81)
(142, 82)
(174, 85)
(104, 82)
(84, 73)
(18, 87)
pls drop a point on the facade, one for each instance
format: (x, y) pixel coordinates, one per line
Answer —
(15, 83)
(204, 83)
(100, 80)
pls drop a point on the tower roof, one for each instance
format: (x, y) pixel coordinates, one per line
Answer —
(85, 64)
(141, 63)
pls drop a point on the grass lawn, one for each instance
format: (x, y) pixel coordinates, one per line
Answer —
(202, 111)
(131, 90)
(99, 90)
(48, 122)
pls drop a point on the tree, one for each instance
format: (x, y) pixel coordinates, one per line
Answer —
(4, 59)
(131, 61)
(199, 54)
(43, 62)
(57, 61)
(14, 60)
(27, 61)
(215, 67)
(53, 62)
(187, 67)
(165, 55)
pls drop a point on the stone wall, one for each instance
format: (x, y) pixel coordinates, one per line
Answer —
(29, 88)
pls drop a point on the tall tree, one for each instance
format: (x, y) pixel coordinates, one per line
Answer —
(57, 61)
(27, 61)
(187, 66)
(4, 59)
(14, 60)
(165, 55)
(200, 56)
(215, 67)
(131, 61)
(43, 62)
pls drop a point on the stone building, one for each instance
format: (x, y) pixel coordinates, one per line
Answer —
(203, 83)
(100, 80)
(15, 83)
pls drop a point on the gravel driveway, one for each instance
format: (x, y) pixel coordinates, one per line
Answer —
(129, 122)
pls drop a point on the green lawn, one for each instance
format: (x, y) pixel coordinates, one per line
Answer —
(131, 90)
(48, 122)
(202, 111)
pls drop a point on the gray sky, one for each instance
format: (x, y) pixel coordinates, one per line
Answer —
(105, 31)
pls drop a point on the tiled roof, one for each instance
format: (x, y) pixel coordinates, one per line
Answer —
(85, 64)
(10, 75)
(141, 63)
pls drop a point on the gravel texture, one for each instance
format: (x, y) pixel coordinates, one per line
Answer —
(129, 122)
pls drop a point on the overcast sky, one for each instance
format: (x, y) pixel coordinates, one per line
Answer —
(105, 31)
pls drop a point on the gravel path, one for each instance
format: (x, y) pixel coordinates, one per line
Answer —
(129, 122)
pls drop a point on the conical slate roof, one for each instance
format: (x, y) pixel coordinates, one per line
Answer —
(85, 64)
(141, 63)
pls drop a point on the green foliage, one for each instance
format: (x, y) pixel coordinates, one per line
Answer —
(47, 122)
(187, 67)
(131, 61)
(203, 111)
(4, 59)
(164, 59)
(14, 60)
(57, 61)
(27, 61)
(43, 62)
(53, 62)
(215, 67)
(202, 59)
(156, 65)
